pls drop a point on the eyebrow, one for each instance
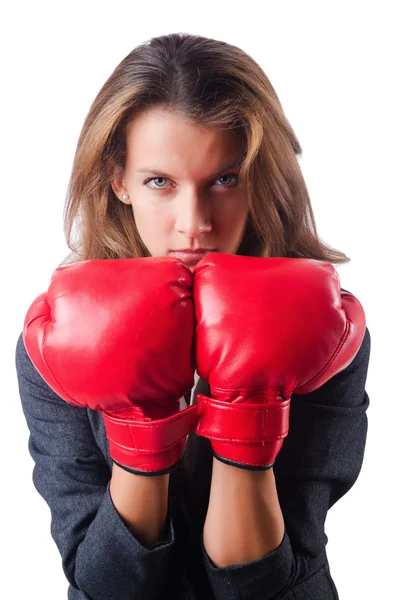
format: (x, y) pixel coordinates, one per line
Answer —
(161, 173)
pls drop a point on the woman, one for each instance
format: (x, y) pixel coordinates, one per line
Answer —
(187, 164)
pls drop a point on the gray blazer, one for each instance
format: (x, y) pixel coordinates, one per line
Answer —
(102, 560)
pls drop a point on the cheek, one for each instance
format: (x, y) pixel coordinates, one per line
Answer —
(152, 219)
(232, 214)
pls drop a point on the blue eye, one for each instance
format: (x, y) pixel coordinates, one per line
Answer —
(234, 175)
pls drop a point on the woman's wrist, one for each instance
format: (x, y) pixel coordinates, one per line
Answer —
(244, 520)
(142, 503)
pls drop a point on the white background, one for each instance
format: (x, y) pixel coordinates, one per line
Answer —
(332, 66)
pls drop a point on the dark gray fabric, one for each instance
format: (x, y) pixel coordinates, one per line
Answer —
(102, 560)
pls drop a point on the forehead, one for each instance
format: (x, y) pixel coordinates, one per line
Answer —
(160, 135)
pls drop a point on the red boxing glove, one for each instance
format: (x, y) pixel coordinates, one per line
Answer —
(116, 336)
(266, 328)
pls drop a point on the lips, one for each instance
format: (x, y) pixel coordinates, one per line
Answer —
(190, 258)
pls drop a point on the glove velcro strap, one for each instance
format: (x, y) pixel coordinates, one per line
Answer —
(246, 423)
(149, 436)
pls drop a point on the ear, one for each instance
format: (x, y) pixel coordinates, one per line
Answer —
(117, 183)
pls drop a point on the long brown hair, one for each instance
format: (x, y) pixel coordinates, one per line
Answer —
(209, 83)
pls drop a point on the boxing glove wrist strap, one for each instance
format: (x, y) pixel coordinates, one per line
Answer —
(245, 422)
(149, 436)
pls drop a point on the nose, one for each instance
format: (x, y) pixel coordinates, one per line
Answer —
(193, 216)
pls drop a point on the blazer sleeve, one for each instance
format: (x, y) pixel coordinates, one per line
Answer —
(319, 462)
(100, 555)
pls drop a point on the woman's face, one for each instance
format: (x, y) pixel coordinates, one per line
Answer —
(181, 190)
